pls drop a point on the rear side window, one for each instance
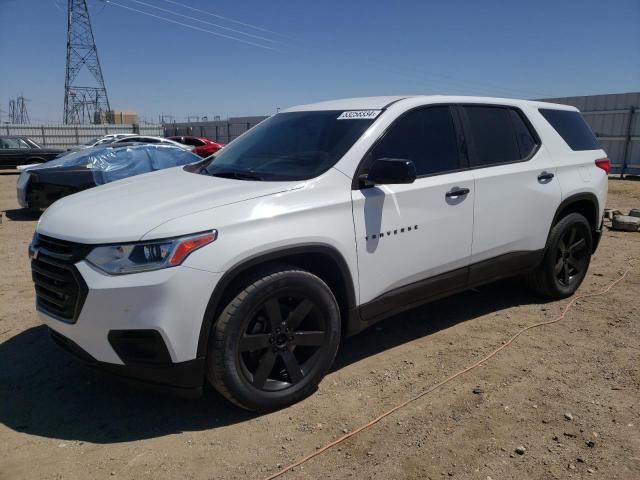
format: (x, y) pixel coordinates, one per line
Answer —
(526, 143)
(572, 128)
(194, 142)
(500, 135)
(427, 137)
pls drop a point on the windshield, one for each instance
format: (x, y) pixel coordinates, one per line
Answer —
(287, 146)
(32, 143)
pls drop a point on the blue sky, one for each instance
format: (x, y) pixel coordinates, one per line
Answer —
(327, 49)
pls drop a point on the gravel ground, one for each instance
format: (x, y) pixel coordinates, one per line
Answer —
(569, 393)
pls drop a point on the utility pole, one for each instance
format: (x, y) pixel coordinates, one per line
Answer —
(23, 116)
(18, 111)
(83, 103)
(12, 111)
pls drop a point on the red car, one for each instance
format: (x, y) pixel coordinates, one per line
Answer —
(203, 146)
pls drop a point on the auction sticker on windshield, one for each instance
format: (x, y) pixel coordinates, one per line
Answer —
(359, 115)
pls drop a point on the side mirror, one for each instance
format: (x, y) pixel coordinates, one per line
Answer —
(389, 171)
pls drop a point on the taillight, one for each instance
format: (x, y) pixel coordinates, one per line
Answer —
(603, 163)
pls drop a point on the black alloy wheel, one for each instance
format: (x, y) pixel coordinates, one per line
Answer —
(572, 257)
(282, 341)
(566, 259)
(275, 340)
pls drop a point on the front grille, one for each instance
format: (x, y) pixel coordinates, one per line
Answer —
(60, 289)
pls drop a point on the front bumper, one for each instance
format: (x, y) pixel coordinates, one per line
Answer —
(21, 189)
(169, 303)
(184, 378)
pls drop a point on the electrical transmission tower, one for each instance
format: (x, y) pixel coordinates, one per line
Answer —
(18, 111)
(85, 100)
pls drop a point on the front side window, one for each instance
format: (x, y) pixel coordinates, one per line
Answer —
(499, 135)
(427, 137)
(13, 143)
(288, 146)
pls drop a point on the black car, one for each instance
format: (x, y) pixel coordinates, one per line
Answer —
(16, 151)
(40, 186)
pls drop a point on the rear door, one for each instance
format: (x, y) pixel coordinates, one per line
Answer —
(414, 240)
(516, 190)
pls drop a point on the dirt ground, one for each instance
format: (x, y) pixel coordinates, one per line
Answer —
(60, 420)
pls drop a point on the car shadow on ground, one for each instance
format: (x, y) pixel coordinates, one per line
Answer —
(22, 215)
(45, 392)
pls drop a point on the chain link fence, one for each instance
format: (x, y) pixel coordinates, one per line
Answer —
(615, 119)
(221, 131)
(64, 136)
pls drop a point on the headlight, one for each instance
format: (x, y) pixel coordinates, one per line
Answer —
(146, 256)
(21, 189)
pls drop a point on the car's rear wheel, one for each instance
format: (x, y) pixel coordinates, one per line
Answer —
(566, 258)
(275, 340)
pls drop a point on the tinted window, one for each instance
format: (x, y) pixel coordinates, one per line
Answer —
(288, 146)
(526, 142)
(194, 142)
(494, 135)
(13, 143)
(427, 137)
(572, 128)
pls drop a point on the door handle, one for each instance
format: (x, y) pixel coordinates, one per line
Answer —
(457, 192)
(545, 176)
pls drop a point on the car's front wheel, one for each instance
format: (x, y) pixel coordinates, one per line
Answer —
(275, 340)
(566, 258)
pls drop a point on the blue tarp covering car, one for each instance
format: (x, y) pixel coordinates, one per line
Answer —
(41, 185)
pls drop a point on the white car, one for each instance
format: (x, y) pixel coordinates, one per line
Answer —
(152, 140)
(110, 138)
(313, 225)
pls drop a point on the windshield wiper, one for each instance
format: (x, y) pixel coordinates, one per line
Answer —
(237, 174)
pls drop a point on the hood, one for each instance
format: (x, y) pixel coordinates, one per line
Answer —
(125, 210)
(70, 159)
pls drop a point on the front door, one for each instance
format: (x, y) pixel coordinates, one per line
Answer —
(414, 240)
(12, 151)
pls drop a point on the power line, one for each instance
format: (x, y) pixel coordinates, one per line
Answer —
(205, 22)
(440, 81)
(111, 2)
(228, 19)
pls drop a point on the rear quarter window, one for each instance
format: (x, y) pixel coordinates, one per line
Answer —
(572, 128)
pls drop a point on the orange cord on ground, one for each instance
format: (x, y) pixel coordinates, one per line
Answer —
(452, 377)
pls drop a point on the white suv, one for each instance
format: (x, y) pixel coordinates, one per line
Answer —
(249, 268)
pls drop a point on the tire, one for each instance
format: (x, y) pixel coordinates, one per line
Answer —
(275, 340)
(566, 260)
